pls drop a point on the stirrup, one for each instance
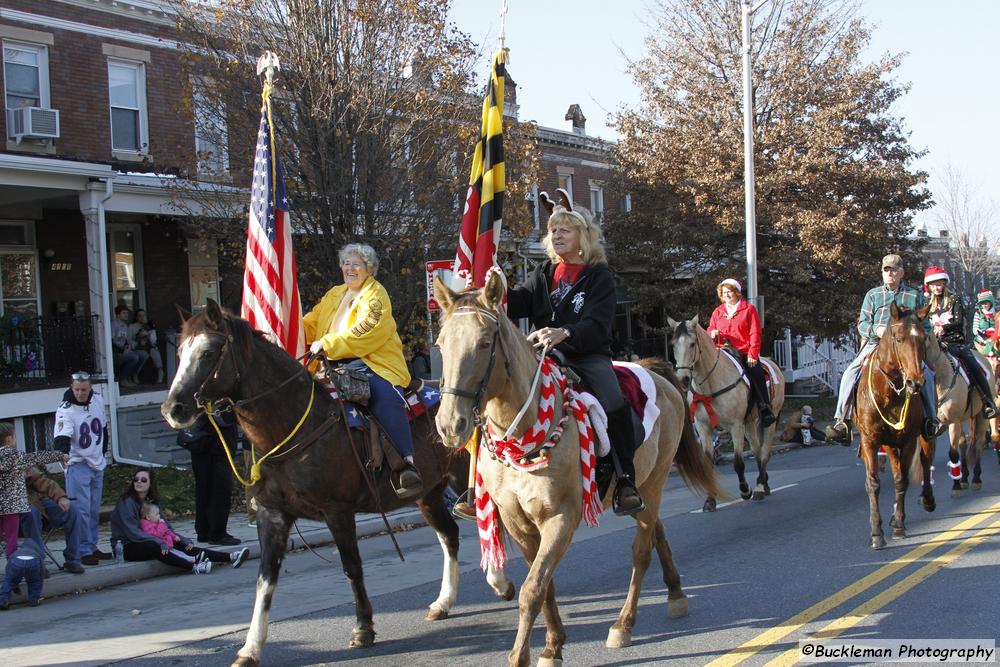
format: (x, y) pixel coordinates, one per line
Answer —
(415, 487)
(626, 483)
(463, 508)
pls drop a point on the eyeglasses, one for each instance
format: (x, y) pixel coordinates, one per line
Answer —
(144, 480)
(81, 376)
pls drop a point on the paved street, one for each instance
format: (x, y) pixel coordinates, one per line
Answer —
(787, 567)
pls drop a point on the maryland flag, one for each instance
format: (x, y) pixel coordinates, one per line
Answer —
(483, 216)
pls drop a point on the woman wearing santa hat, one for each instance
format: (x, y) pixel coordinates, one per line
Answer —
(736, 323)
(947, 313)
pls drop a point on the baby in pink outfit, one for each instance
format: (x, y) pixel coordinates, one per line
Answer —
(152, 524)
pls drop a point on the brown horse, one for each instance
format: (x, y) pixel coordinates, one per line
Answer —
(488, 367)
(316, 475)
(889, 414)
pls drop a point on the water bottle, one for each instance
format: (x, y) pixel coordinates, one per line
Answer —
(119, 553)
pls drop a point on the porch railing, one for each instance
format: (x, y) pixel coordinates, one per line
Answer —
(806, 358)
(38, 349)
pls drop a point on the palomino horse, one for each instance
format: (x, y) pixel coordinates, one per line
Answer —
(889, 413)
(316, 476)
(958, 403)
(488, 366)
(716, 384)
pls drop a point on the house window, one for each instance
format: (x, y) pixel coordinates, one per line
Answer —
(211, 137)
(127, 89)
(627, 203)
(19, 284)
(125, 256)
(597, 202)
(25, 75)
(566, 183)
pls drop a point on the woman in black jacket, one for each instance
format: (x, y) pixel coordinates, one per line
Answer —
(570, 300)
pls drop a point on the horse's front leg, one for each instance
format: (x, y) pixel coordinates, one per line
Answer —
(869, 452)
(272, 529)
(927, 489)
(437, 516)
(738, 433)
(761, 444)
(956, 438)
(341, 525)
(977, 440)
(901, 477)
(543, 554)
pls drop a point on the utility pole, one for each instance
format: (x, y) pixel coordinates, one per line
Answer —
(749, 190)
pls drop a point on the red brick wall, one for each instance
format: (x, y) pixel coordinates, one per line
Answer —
(62, 231)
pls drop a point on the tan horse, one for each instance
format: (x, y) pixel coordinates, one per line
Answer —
(958, 404)
(488, 366)
(705, 371)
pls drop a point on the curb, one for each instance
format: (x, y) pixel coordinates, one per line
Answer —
(104, 576)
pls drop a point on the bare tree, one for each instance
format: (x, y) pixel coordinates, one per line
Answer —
(970, 218)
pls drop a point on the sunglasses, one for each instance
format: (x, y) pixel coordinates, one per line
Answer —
(81, 376)
(140, 479)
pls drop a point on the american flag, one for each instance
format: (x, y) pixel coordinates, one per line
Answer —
(483, 215)
(270, 290)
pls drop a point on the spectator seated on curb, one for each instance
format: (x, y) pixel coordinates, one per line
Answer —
(13, 496)
(49, 501)
(139, 545)
(798, 422)
(26, 563)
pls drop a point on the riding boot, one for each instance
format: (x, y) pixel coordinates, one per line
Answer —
(979, 379)
(626, 500)
(763, 398)
(931, 425)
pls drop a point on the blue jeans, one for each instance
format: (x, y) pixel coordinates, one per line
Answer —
(31, 526)
(389, 408)
(128, 363)
(84, 484)
(32, 571)
(845, 397)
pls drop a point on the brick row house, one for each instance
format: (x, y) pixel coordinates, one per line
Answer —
(88, 221)
(93, 215)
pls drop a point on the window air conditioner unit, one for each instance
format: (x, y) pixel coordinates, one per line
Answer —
(33, 123)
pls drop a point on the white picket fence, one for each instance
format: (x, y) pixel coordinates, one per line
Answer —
(802, 358)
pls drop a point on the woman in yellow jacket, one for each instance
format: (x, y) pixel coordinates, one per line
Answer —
(354, 323)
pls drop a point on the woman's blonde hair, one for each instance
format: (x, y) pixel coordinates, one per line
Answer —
(591, 247)
(363, 251)
(727, 283)
(946, 299)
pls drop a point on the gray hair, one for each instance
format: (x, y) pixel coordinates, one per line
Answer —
(6, 431)
(362, 251)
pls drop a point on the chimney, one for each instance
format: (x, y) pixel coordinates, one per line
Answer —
(576, 122)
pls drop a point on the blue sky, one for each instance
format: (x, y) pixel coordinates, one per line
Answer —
(565, 52)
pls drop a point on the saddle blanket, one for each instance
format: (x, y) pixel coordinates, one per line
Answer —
(639, 390)
(770, 370)
(418, 402)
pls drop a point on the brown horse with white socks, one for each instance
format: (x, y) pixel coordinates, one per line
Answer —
(488, 369)
(316, 475)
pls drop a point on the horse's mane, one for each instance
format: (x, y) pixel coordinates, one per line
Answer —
(244, 335)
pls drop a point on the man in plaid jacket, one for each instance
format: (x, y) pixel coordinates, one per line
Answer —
(871, 325)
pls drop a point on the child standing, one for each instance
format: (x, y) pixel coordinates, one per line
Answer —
(13, 492)
(25, 563)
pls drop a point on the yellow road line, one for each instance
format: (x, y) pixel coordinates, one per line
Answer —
(837, 627)
(772, 636)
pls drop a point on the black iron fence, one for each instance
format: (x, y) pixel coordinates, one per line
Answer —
(38, 350)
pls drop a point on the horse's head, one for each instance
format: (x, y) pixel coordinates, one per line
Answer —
(469, 342)
(211, 343)
(907, 344)
(684, 335)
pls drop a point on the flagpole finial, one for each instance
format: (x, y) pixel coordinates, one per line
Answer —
(267, 64)
(503, 23)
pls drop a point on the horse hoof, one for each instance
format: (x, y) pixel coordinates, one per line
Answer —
(758, 495)
(549, 662)
(243, 661)
(767, 490)
(928, 505)
(745, 492)
(434, 614)
(709, 505)
(677, 608)
(362, 638)
(957, 493)
(965, 485)
(898, 533)
(618, 638)
(977, 486)
(508, 595)
(878, 542)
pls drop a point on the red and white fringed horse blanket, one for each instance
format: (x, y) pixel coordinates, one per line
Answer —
(528, 453)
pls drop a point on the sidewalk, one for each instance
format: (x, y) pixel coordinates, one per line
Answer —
(314, 533)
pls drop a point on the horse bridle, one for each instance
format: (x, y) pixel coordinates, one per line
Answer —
(697, 347)
(477, 396)
(895, 354)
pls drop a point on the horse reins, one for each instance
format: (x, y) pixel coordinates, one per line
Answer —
(704, 380)
(900, 424)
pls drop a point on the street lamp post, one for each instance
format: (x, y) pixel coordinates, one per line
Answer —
(748, 166)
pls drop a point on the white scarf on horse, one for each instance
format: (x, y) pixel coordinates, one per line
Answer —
(515, 452)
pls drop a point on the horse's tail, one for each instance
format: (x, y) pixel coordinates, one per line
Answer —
(694, 464)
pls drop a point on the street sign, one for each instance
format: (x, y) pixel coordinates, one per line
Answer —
(440, 267)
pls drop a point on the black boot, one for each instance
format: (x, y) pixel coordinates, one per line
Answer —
(931, 426)
(979, 379)
(626, 499)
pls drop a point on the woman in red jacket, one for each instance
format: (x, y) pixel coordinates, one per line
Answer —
(737, 324)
